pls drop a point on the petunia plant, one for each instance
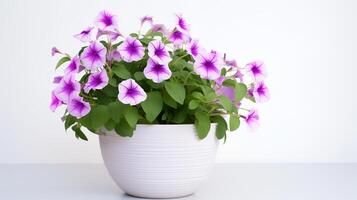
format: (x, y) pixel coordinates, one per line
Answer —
(155, 76)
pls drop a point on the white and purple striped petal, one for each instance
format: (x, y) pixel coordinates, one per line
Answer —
(106, 21)
(93, 57)
(73, 66)
(193, 48)
(156, 71)
(55, 102)
(77, 107)
(97, 80)
(160, 28)
(112, 35)
(67, 87)
(181, 24)
(257, 70)
(145, 19)
(208, 65)
(55, 51)
(131, 50)
(177, 37)
(158, 52)
(131, 93)
(252, 119)
(261, 92)
(57, 79)
(227, 91)
(85, 35)
(114, 55)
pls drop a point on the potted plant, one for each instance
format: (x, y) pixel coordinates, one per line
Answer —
(157, 100)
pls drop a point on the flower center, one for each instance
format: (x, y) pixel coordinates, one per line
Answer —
(159, 52)
(97, 80)
(69, 88)
(177, 35)
(132, 92)
(132, 48)
(107, 20)
(255, 69)
(209, 65)
(78, 105)
(94, 54)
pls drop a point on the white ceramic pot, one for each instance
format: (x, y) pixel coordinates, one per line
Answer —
(159, 161)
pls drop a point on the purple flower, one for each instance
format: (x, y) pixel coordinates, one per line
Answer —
(181, 24)
(227, 91)
(130, 92)
(231, 63)
(159, 28)
(209, 65)
(114, 55)
(145, 19)
(261, 92)
(93, 56)
(57, 79)
(85, 35)
(112, 35)
(177, 37)
(77, 107)
(67, 87)
(239, 75)
(55, 102)
(131, 50)
(193, 49)
(158, 52)
(220, 80)
(106, 21)
(97, 80)
(54, 51)
(156, 71)
(257, 70)
(252, 119)
(73, 66)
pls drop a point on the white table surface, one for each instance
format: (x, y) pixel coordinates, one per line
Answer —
(227, 181)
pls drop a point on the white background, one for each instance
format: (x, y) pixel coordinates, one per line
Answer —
(309, 47)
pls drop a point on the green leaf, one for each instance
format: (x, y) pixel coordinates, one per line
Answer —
(197, 95)
(180, 117)
(110, 125)
(121, 71)
(124, 129)
(202, 124)
(176, 91)
(210, 96)
(241, 91)
(169, 100)
(110, 91)
(78, 133)
(116, 110)
(132, 116)
(62, 60)
(152, 106)
(226, 103)
(193, 104)
(234, 122)
(229, 83)
(113, 82)
(70, 120)
(139, 76)
(221, 127)
(96, 118)
(100, 115)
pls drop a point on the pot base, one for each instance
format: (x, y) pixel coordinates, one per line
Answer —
(159, 161)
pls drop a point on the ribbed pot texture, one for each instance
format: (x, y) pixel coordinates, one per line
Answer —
(159, 161)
